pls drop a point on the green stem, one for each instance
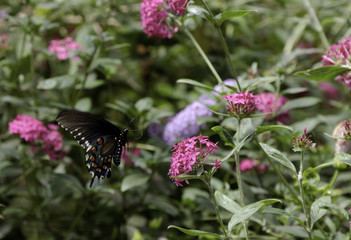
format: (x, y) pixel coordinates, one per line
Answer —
(225, 46)
(238, 178)
(203, 55)
(335, 176)
(319, 27)
(208, 183)
(302, 195)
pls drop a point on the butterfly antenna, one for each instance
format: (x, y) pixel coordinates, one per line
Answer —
(92, 180)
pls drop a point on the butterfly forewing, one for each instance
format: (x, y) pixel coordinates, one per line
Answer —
(102, 140)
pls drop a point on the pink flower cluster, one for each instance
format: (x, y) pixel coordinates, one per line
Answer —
(303, 142)
(248, 164)
(42, 138)
(340, 54)
(329, 90)
(241, 104)
(4, 44)
(154, 15)
(347, 132)
(64, 48)
(189, 154)
(269, 104)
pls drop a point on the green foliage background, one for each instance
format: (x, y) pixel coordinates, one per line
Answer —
(123, 74)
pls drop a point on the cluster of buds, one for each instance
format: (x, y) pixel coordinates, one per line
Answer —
(303, 142)
(241, 104)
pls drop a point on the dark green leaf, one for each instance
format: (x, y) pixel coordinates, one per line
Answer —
(225, 136)
(193, 82)
(325, 73)
(261, 129)
(192, 232)
(134, 180)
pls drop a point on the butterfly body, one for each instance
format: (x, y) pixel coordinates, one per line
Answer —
(103, 142)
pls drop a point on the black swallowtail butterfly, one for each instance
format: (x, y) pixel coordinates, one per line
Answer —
(102, 141)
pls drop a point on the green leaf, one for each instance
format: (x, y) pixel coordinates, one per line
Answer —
(134, 180)
(317, 210)
(344, 157)
(220, 18)
(262, 129)
(278, 156)
(246, 212)
(299, 103)
(225, 136)
(198, 11)
(83, 104)
(144, 104)
(227, 203)
(187, 176)
(192, 232)
(278, 211)
(193, 82)
(294, 90)
(325, 73)
(60, 82)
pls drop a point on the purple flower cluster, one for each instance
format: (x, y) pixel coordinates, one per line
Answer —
(241, 104)
(63, 48)
(303, 143)
(269, 104)
(154, 15)
(190, 154)
(42, 138)
(184, 124)
(340, 54)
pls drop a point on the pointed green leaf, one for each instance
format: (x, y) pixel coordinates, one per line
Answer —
(198, 11)
(325, 73)
(317, 210)
(226, 203)
(299, 103)
(192, 232)
(224, 135)
(278, 156)
(262, 129)
(344, 157)
(220, 18)
(246, 212)
(134, 180)
(193, 82)
(278, 211)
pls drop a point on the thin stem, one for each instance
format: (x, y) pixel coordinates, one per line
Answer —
(238, 177)
(319, 27)
(208, 183)
(302, 195)
(225, 46)
(335, 176)
(203, 55)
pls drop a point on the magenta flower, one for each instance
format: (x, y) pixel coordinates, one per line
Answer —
(330, 91)
(64, 49)
(340, 54)
(269, 104)
(42, 138)
(153, 19)
(241, 104)
(178, 6)
(190, 154)
(247, 165)
(303, 143)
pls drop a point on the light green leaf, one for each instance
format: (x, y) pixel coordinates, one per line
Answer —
(144, 104)
(278, 211)
(261, 129)
(60, 82)
(192, 232)
(294, 90)
(226, 203)
(193, 82)
(344, 157)
(325, 73)
(83, 104)
(220, 18)
(198, 11)
(134, 180)
(299, 103)
(278, 156)
(317, 210)
(246, 212)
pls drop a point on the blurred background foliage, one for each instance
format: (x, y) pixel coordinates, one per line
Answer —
(122, 74)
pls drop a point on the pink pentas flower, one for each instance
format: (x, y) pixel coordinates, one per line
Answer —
(241, 104)
(340, 54)
(42, 138)
(153, 15)
(330, 91)
(303, 142)
(190, 154)
(178, 6)
(269, 104)
(247, 165)
(64, 48)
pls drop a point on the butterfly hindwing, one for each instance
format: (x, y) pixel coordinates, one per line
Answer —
(104, 142)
